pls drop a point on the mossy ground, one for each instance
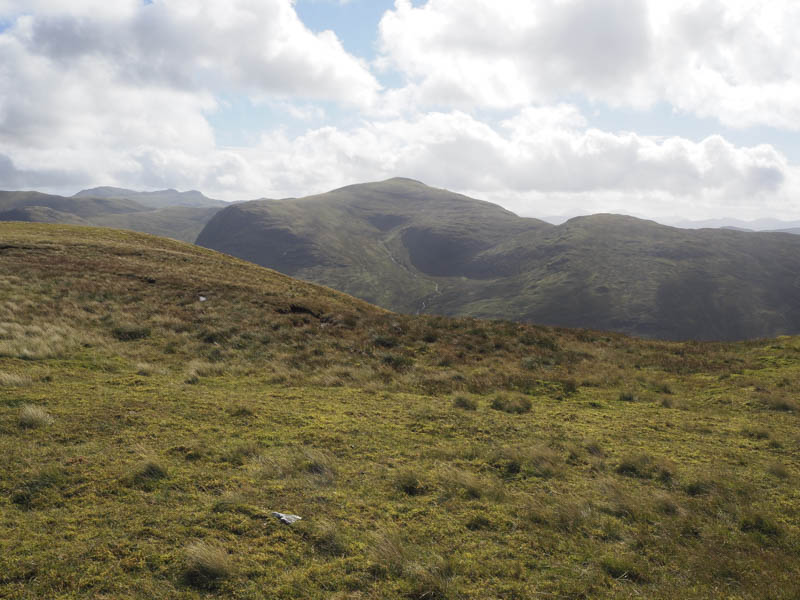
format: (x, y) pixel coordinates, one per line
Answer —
(641, 470)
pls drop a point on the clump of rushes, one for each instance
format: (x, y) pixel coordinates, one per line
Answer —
(32, 416)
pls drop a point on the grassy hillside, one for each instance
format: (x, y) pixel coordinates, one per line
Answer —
(159, 401)
(414, 249)
(364, 239)
(168, 213)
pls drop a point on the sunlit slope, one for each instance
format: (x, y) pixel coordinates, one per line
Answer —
(158, 401)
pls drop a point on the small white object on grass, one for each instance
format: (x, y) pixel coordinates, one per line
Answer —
(203, 298)
(286, 519)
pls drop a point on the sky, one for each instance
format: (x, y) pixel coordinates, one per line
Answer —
(688, 109)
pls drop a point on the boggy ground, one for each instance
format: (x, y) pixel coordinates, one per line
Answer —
(146, 436)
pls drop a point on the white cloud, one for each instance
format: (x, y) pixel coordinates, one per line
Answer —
(737, 60)
(118, 93)
(92, 90)
(78, 76)
(542, 161)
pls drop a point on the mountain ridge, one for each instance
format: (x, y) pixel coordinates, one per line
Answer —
(170, 214)
(412, 248)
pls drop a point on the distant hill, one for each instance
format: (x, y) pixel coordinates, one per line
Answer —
(764, 224)
(412, 248)
(79, 207)
(158, 199)
(178, 215)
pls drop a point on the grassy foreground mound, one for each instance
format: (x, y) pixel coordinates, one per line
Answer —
(159, 401)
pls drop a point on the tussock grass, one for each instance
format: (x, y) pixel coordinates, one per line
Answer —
(512, 403)
(468, 485)
(128, 332)
(536, 461)
(625, 568)
(32, 416)
(409, 481)
(147, 370)
(15, 379)
(39, 342)
(232, 502)
(206, 565)
(757, 522)
(280, 463)
(784, 404)
(390, 554)
(33, 486)
(646, 467)
(779, 470)
(756, 433)
(239, 453)
(145, 474)
(569, 516)
(199, 368)
(432, 578)
(465, 402)
(325, 536)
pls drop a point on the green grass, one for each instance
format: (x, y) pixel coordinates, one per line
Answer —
(145, 486)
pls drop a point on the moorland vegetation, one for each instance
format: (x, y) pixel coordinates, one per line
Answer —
(158, 401)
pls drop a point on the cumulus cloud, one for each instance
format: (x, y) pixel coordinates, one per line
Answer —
(736, 60)
(541, 161)
(121, 93)
(81, 75)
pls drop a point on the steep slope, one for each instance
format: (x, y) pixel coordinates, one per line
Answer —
(411, 248)
(385, 242)
(169, 213)
(179, 222)
(625, 274)
(159, 401)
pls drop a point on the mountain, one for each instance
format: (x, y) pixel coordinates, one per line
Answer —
(179, 215)
(412, 248)
(765, 224)
(78, 207)
(160, 402)
(384, 242)
(159, 199)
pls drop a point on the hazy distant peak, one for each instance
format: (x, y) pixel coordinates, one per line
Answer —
(104, 192)
(405, 180)
(156, 199)
(607, 219)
